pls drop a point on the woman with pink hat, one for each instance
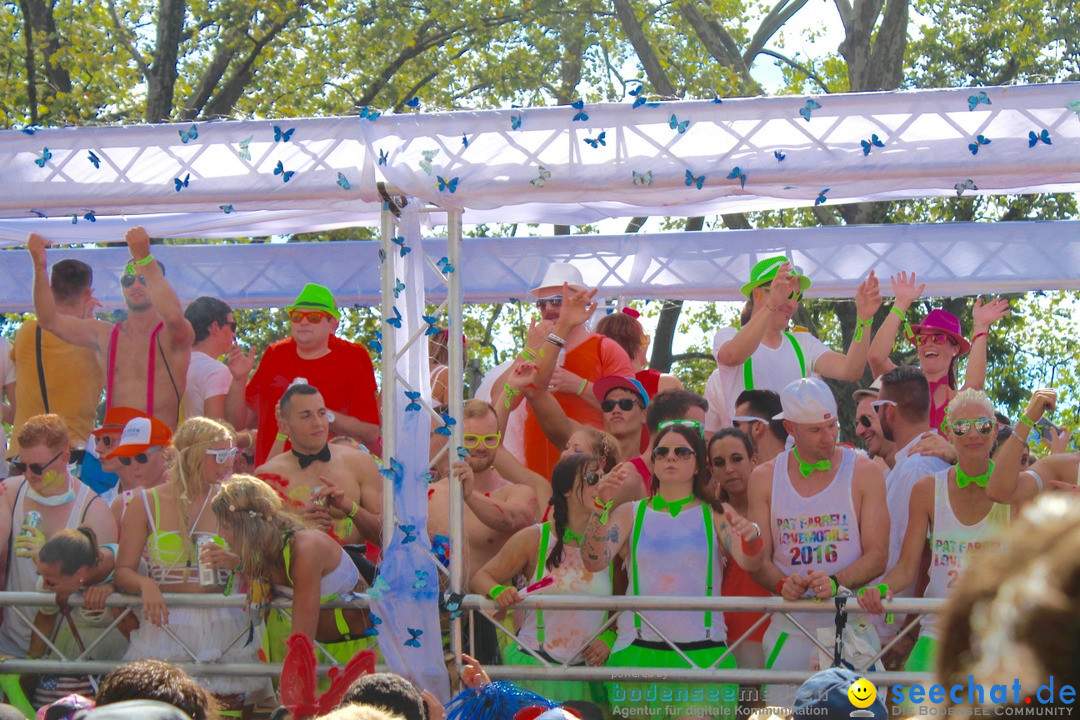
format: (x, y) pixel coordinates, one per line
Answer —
(939, 342)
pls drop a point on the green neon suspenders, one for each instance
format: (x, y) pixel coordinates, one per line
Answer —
(748, 366)
(710, 537)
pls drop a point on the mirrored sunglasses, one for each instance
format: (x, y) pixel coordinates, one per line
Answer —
(127, 281)
(314, 317)
(680, 452)
(983, 426)
(934, 339)
(553, 300)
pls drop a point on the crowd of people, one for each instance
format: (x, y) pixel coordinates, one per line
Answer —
(216, 471)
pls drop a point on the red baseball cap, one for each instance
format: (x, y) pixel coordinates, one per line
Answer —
(116, 418)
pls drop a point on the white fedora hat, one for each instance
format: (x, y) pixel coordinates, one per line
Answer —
(556, 274)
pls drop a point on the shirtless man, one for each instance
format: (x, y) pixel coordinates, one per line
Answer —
(1060, 471)
(154, 329)
(313, 470)
(42, 485)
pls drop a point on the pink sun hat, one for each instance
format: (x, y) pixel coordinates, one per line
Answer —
(943, 322)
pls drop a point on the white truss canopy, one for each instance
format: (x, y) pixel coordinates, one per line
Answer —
(223, 179)
(953, 259)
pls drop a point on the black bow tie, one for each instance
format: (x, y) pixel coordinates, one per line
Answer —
(305, 460)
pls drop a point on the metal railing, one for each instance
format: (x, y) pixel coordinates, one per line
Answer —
(479, 605)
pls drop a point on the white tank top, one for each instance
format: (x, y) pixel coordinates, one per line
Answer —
(676, 556)
(820, 532)
(561, 633)
(952, 544)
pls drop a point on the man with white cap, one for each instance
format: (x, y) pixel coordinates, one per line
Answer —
(339, 369)
(763, 353)
(584, 358)
(829, 526)
(41, 499)
(141, 452)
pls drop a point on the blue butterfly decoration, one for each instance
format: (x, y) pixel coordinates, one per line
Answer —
(691, 180)
(413, 396)
(821, 197)
(89, 216)
(428, 156)
(94, 159)
(462, 453)
(245, 147)
(376, 344)
(46, 156)
(383, 157)
(445, 184)
(74, 219)
(1035, 138)
(642, 179)
(452, 605)
(736, 172)
(515, 122)
(464, 139)
(227, 209)
(979, 140)
(400, 242)
(29, 129)
(38, 213)
(413, 102)
(444, 265)
(638, 101)
(448, 422)
(190, 134)
(181, 184)
(410, 533)
(580, 115)
(637, 89)
(968, 184)
(431, 320)
(343, 181)
(367, 113)
(421, 580)
(396, 320)
(375, 622)
(382, 253)
(808, 108)
(718, 100)
(779, 155)
(398, 287)
(414, 641)
(974, 100)
(598, 141)
(674, 123)
(868, 145)
(286, 175)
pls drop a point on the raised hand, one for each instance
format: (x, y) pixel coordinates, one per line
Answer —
(240, 364)
(577, 307)
(138, 243)
(36, 245)
(986, 315)
(537, 334)
(1042, 401)
(868, 297)
(783, 286)
(741, 526)
(905, 290)
(522, 374)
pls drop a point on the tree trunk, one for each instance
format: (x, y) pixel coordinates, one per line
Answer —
(161, 82)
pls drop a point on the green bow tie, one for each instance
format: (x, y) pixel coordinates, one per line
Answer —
(674, 507)
(806, 468)
(569, 536)
(963, 479)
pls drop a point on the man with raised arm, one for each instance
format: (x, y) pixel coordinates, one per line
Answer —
(340, 370)
(1059, 471)
(73, 377)
(765, 354)
(827, 519)
(145, 356)
(313, 469)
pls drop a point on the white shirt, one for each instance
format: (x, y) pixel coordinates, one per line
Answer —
(207, 377)
(514, 437)
(773, 368)
(717, 416)
(7, 376)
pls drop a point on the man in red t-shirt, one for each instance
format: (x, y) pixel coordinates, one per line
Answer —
(341, 370)
(586, 358)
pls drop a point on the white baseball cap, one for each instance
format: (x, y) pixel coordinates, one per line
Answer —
(807, 401)
(556, 274)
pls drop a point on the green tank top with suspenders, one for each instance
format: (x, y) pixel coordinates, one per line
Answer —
(710, 537)
(748, 366)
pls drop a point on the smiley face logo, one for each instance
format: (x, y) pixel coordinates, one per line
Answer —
(862, 693)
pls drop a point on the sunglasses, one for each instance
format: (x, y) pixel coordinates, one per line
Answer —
(127, 281)
(552, 300)
(21, 467)
(223, 456)
(865, 421)
(983, 426)
(645, 340)
(625, 404)
(142, 458)
(490, 441)
(935, 339)
(231, 324)
(693, 424)
(314, 317)
(591, 478)
(680, 451)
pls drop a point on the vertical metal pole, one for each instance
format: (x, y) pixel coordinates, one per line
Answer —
(455, 390)
(389, 380)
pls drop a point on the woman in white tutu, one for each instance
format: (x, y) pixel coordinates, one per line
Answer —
(164, 527)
